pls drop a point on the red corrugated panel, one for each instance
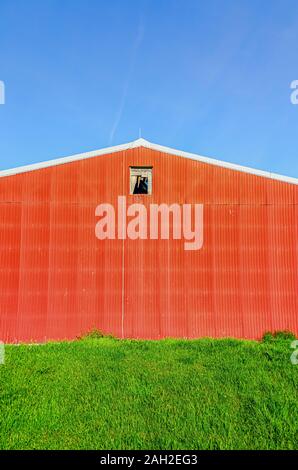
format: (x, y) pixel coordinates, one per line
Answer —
(58, 281)
(10, 247)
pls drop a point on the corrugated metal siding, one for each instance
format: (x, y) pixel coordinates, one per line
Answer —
(58, 281)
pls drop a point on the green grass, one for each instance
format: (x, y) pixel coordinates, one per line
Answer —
(172, 394)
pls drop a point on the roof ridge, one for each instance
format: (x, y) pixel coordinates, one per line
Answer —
(145, 143)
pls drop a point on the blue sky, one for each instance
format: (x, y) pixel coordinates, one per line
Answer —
(211, 77)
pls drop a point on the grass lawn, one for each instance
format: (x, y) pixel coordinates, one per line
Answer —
(170, 394)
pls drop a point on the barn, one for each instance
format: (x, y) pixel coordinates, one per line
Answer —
(66, 268)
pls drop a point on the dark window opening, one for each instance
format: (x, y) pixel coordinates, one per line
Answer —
(141, 185)
(140, 180)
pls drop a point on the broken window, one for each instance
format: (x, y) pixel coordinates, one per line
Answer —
(140, 180)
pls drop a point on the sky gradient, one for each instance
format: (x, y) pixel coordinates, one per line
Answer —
(210, 77)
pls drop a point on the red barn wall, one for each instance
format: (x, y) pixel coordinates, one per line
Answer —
(58, 281)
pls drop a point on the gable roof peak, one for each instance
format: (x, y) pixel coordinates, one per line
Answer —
(141, 143)
(149, 145)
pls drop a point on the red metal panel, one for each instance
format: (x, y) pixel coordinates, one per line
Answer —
(10, 245)
(254, 269)
(33, 272)
(58, 281)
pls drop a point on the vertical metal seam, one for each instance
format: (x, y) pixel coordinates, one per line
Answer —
(21, 251)
(50, 258)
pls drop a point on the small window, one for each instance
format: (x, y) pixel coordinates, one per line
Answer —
(140, 180)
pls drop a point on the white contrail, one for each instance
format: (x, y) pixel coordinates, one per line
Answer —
(135, 48)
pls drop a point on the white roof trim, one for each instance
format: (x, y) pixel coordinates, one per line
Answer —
(146, 144)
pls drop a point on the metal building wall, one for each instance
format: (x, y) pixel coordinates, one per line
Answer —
(57, 280)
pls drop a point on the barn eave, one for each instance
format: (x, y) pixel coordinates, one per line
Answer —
(146, 144)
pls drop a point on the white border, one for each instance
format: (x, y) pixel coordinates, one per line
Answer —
(149, 145)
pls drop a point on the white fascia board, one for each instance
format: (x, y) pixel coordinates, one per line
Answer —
(64, 160)
(220, 163)
(149, 145)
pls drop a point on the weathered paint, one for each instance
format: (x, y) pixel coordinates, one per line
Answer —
(58, 281)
